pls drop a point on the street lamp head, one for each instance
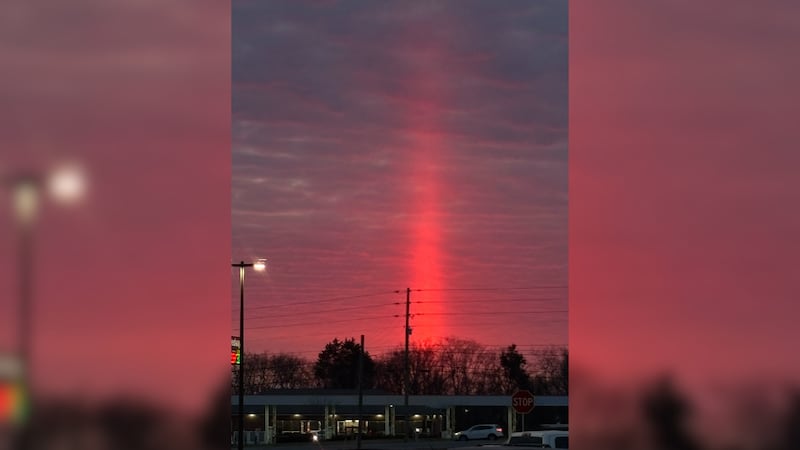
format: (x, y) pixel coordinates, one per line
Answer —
(260, 265)
(68, 183)
(26, 201)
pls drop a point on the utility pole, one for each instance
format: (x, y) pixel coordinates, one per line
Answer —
(407, 372)
(360, 391)
(241, 266)
(27, 192)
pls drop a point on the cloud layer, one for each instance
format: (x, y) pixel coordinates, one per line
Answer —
(380, 146)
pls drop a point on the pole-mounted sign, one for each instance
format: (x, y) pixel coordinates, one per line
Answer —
(522, 401)
(236, 351)
(13, 398)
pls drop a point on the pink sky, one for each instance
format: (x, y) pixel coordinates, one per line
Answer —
(682, 187)
(131, 286)
(682, 252)
(384, 147)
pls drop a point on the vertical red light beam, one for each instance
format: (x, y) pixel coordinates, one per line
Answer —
(428, 148)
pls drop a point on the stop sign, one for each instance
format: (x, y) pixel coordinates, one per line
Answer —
(522, 402)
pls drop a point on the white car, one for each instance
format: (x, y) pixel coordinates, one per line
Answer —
(482, 431)
(541, 439)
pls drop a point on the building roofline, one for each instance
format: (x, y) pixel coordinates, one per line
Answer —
(433, 401)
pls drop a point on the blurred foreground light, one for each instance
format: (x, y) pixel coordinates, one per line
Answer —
(26, 201)
(13, 403)
(10, 367)
(260, 265)
(68, 183)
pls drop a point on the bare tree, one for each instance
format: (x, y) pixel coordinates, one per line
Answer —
(257, 376)
(426, 375)
(389, 371)
(552, 372)
(290, 372)
(488, 370)
(448, 366)
(467, 367)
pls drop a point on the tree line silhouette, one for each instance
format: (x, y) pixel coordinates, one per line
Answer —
(449, 366)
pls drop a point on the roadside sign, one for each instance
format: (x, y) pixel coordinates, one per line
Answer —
(13, 402)
(522, 401)
(236, 351)
(13, 398)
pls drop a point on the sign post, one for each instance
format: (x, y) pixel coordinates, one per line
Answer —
(523, 403)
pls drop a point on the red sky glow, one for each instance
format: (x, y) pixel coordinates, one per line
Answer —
(379, 148)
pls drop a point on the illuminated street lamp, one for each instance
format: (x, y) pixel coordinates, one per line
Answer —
(64, 185)
(67, 185)
(259, 266)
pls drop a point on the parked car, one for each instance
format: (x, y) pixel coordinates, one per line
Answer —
(540, 439)
(482, 431)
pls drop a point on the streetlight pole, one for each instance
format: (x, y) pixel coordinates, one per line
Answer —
(66, 184)
(242, 265)
(26, 205)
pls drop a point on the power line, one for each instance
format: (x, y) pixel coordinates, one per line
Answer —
(490, 313)
(384, 351)
(525, 299)
(319, 311)
(381, 331)
(538, 319)
(398, 346)
(372, 306)
(375, 306)
(386, 334)
(329, 300)
(379, 352)
(494, 288)
(481, 324)
(374, 329)
(334, 299)
(307, 323)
